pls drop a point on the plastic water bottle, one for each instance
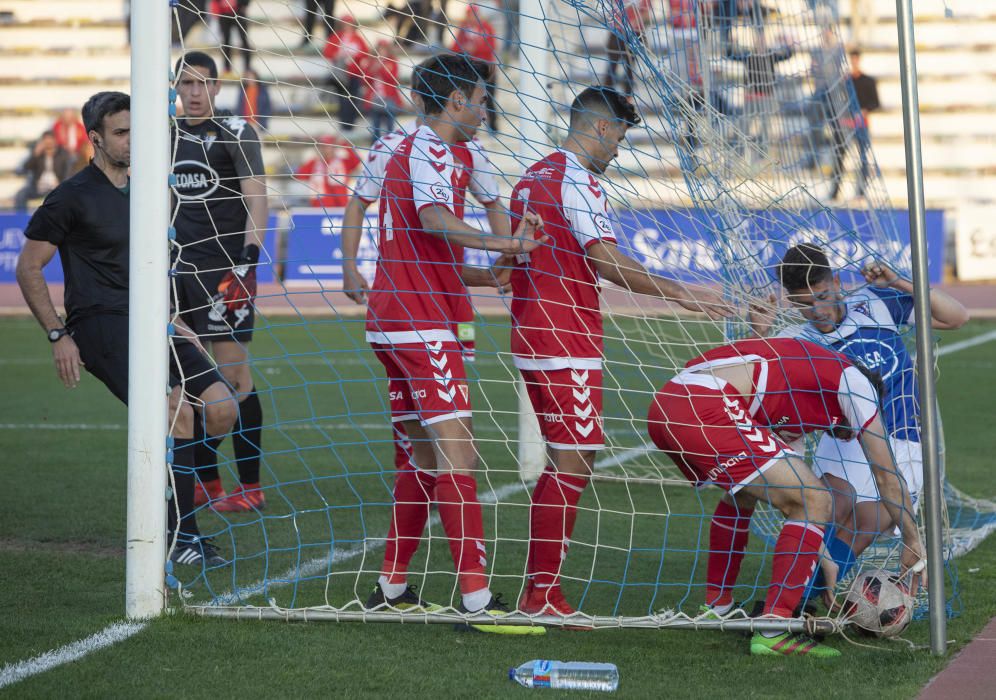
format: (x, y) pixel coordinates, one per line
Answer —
(570, 675)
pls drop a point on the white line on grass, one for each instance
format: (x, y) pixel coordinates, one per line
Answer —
(967, 343)
(118, 632)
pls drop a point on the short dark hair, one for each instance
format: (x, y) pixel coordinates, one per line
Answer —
(435, 79)
(603, 102)
(199, 59)
(854, 52)
(803, 266)
(101, 105)
(875, 379)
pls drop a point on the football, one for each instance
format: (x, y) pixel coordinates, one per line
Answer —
(878, 603)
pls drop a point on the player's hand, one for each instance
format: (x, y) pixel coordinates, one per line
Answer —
(525, 240)
(913, 563)
(237, 288)
(761, 315)
(878, 274)
(67, 361)
(501, 272)
(353, 284)
(708, 302)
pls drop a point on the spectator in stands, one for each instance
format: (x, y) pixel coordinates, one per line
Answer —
(254, 102)
(188, 13)
(626, 26)
(863, 99)
(69, 131)
(47, 165)
(328, 174)
(232, 18)
(382, 92)
(412, 20)
(320, 11)
(348, 51)
(829, 98)
(476, 38)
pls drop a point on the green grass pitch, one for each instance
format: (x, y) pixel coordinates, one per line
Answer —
(635, 549)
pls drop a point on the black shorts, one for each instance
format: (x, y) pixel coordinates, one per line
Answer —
(196, 288)
(103, 344)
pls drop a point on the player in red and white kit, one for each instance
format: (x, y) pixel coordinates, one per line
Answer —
(557, 324)
(728, 419)
(410, 315)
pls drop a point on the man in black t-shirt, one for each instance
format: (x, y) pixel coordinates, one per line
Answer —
(220, 213)
(86, 219)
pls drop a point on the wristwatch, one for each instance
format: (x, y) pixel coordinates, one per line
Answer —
(56, 333)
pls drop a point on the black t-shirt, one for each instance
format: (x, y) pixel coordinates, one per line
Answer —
(209, 161)
(866, 90)
(86, 217)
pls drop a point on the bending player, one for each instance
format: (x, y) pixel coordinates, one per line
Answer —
(410, 318)
(220, 215)
(413, 486)
(86, 219)
(557, 324)
(725, 420)
(867, 325)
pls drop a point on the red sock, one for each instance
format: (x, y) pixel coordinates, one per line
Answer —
(412, 495)
(796, 553)
(728, 534)
(460, 511)
(551, 523)
(545, 478)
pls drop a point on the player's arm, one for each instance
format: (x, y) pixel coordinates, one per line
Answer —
(946, 313)
(32, 260)
(353, 284)
(893, 491)
(498, 218)
(617, 267)
(437, 220)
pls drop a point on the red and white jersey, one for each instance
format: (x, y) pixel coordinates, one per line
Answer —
(799, 386)
(474, 171)
(417, 290)
(556, 320)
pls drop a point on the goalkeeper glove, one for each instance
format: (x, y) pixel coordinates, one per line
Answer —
(237, 288)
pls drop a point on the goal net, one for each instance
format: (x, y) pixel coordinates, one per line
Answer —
(749, 143)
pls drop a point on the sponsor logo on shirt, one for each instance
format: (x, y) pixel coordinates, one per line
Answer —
(236, 125)
(876, 355)
(194, 180)
(439, 192)
(603, 225)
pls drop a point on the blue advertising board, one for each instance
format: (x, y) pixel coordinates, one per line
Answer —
(12, 225)
(679, 243)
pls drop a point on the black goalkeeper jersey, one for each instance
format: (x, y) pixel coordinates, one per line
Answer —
(86, 217)
(209, 160)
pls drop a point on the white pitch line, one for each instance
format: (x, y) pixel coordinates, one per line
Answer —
(967, 343)
(118, 632)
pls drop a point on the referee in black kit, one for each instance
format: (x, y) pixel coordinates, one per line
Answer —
(86, 219)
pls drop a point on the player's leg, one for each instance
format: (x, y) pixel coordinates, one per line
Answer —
(233, 361)
(415, 480)
(568, 404)
(729, 532)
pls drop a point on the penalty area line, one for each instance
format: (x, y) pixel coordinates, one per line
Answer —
(112, 634)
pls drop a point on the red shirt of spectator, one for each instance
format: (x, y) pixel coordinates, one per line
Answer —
(476, 38)
(329, 173)
(347, 48)
(380, 77)
(69, 131)
(631, 13)
(224, 7)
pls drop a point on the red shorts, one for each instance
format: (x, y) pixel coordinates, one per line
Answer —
(426, 381)
(704, 425)
(568, 403)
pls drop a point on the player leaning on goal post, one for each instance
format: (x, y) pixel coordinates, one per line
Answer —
(413, 485)
(557, 324)
(410, 319)
(220, 214)
(86, 219)
(867, 325)
(727, 420)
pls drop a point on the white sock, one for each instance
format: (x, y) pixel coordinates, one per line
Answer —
(476, 601)
(722, 609)
(391, 590)
(771, 634)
